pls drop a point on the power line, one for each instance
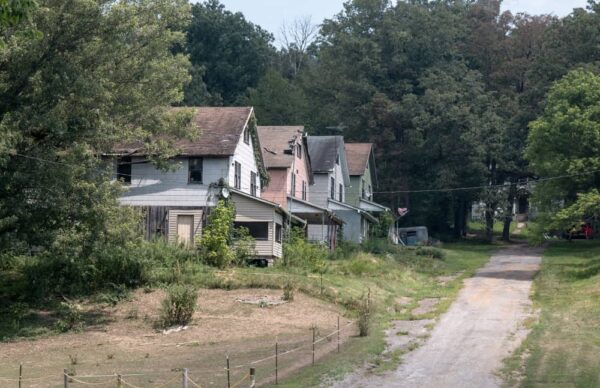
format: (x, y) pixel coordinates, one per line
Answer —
(142, 178)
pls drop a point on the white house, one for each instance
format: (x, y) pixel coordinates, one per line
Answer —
(226, 155)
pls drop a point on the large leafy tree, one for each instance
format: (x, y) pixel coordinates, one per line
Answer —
(565, 140)
(229, 55)
(97, 73)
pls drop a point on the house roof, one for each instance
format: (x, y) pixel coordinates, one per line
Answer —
(323, 151)
(274, 140)
(337, 205)
(220, 131)
(358, 157)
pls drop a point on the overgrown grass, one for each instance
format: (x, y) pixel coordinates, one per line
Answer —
(393, 275)
(563, 348)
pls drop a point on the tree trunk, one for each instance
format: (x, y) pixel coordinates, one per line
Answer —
(489, 224)
(512, 193)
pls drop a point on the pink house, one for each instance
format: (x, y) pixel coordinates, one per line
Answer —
(286, 159)
(285, 154)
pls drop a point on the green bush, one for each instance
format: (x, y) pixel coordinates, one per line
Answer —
(303, 254)
(431, 252)
(364, 315)
(70, 317)
(344, 250)
(216, 239)
(244, 246)
(288, 291)
(179, 305)
(360, 264)
(379, 246)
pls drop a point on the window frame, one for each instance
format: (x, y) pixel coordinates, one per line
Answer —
(194, 182)
(293, 185)
(247, 135)
(299, 151)
(253, 186)
(237, 175)
(263, 237)
(341, 193)
(332, 188)
(304, 191)
(124, 176)
(278, 233)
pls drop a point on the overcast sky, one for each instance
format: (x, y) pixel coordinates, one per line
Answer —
(270, 14)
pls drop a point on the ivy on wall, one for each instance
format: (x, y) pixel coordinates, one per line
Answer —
(262, 171)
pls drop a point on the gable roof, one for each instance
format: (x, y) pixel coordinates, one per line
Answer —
(358, 157)
(274, 140)
(323, 151)
(220, 131)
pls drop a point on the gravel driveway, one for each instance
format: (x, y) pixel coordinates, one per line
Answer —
(481, 328)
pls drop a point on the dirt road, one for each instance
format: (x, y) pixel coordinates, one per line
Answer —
(481, 328)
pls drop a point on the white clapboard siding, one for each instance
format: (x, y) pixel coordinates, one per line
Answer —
(153, 187)
(251, 210)
(244, 155)
(173, 213)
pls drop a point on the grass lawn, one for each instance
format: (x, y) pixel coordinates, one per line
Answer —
(563, 348)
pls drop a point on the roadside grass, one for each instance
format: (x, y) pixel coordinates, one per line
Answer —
(417, 280)
(525, 234)
(563, 348)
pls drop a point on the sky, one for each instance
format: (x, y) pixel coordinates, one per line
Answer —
(271, 14)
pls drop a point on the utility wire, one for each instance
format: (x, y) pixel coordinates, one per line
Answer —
(436, 190)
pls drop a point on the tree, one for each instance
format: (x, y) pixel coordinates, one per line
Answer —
(98, 74)
(229, 55)
(296, 38)
(565, 140)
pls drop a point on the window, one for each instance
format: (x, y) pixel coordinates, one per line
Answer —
(195, 170)
(124, 169)
(247, 135)
(370, 193)
(237, 178)
(304, 196)
(332, 188)
(337, 159)
(278, 233)
(341, 193)
(364, 189)
(258, 230)
(253, 183)
(299, 151)
(293, 188)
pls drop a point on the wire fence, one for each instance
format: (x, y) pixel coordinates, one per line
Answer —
(277, 359)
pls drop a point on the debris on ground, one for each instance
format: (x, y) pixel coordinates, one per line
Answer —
(262, 301)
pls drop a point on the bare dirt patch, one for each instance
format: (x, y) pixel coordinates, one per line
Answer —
(426, 306)
(129, 342)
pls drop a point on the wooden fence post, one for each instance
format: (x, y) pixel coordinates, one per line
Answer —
(20, 375)
(185, 378)
(228, 374)
(252, 377)
(119, 381)
(276, 363)
(66, 378)
(313, 344)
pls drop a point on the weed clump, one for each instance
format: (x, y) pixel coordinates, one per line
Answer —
(431, 252)
(288, 291)
(71, 317)
(364, 315)
(179, 305)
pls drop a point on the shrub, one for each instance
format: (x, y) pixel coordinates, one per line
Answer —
(288, 291)
(364, 315)
(344, 250)
(303, 254)
(360, 264)
(179, 305)
(379, 246)
(70, 317)
(245, 246)
(217, 236)
(431, 252)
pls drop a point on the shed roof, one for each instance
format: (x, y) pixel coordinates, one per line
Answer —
(220, 131)
(358, 157)
(274, 140)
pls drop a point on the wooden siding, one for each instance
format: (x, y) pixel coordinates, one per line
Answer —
(153, 187)
(155, 221)
(244, 155)
(249, 210)
(173, 213)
